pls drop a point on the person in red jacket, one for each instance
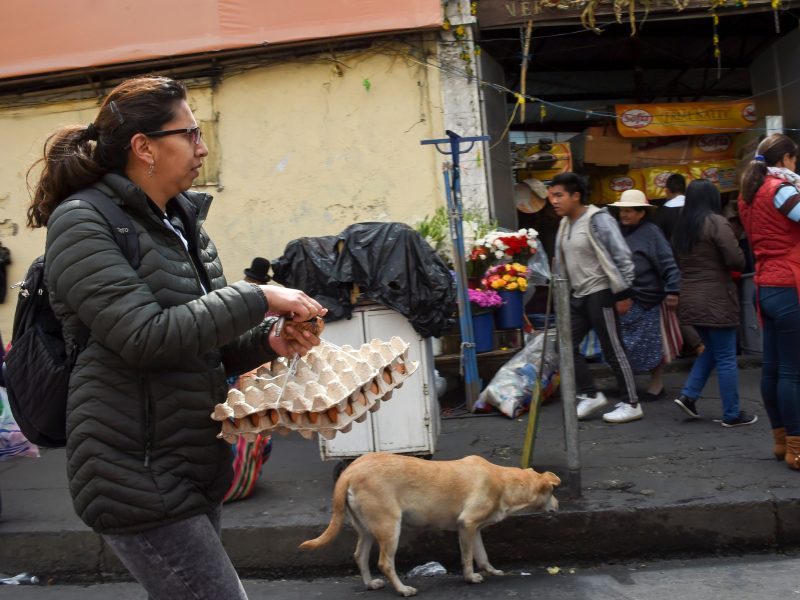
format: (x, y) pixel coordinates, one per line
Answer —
(769, 208)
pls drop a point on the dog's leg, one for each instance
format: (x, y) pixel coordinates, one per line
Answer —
(388, 535)
(481, 558)
(466, 537)
(361, 555)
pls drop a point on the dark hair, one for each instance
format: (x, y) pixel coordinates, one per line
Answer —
(75, 157)
(676, 183)
(702, 200)
(770, 152)
(572, 183)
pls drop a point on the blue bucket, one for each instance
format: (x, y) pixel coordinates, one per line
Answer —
(509, 315)
(483, 327)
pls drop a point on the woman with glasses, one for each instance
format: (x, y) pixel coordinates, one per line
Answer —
(769, 208)
(145, 467)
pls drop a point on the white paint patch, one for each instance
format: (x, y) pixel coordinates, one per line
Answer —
(284, 162)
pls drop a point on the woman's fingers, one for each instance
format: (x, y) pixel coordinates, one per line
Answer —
(287, 301)
(293, 339)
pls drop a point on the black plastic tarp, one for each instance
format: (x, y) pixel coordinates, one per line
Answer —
(391, 264)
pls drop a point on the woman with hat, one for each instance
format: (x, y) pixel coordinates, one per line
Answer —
(645, 327)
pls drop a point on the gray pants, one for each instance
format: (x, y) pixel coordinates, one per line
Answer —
(180, 561)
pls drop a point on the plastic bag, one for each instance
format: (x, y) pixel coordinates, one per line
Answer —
(429, 569)
(12, 442)
(512, 386)
(538, 271)
(391, 264)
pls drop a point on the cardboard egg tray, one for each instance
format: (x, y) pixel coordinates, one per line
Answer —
(324, 392)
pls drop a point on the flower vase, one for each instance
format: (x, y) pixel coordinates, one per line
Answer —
(509, 315)
(483, 328)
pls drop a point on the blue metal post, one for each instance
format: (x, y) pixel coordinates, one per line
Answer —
(469, 360)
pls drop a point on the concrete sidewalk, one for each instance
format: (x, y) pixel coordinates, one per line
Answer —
(657, 486)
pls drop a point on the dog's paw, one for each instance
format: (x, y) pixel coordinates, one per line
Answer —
(474, 578)
(407, 590)
(495, 572)
(376, 584)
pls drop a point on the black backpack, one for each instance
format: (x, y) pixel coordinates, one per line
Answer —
(36, 369)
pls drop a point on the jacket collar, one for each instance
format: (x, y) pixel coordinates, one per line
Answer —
(194, 204)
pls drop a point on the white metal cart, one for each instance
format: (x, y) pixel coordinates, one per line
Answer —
(408, 423)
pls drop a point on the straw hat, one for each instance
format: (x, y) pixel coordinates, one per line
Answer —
(530, 195)
(632, 199)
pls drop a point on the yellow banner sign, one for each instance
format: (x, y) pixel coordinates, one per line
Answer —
(684, 118)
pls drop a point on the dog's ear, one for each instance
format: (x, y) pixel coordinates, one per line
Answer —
(551, 478)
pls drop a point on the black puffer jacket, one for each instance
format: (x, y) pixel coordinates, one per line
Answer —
(141, 446)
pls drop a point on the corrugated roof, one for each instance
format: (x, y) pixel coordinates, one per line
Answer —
(55, 35)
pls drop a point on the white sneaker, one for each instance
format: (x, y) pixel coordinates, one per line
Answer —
(587, 405)
(624, 413)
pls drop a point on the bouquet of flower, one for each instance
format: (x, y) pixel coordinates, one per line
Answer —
(501, 245)
(509, 277)
(483, 301)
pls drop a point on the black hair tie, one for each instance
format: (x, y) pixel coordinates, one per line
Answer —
(91, 132)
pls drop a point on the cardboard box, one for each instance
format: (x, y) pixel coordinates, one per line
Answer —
(604, 147)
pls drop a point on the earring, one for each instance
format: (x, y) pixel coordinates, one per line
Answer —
(151, 169)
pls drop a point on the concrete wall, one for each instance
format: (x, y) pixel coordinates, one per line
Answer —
(304, 147)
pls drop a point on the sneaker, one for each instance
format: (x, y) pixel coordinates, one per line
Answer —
(687, 406)
(651, 397)
(588, 404)
(743, 419)
(624, 413)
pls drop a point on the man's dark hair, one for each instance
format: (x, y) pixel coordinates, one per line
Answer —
(572, 183)
(676, 183)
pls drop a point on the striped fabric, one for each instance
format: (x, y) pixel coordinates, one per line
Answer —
(787, 200)
(249, 458)
(671, 338)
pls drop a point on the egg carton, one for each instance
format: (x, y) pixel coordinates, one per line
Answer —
(322, 393)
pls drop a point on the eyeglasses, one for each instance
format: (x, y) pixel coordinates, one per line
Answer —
(194, 133)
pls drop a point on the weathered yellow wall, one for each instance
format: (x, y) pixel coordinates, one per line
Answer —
(305, 149)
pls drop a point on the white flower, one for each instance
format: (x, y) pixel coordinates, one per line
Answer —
(499, 254)
(523, 231)
(482, 256)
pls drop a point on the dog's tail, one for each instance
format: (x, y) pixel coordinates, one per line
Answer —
(337, 518)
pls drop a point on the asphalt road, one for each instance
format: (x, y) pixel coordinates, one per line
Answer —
(753, 577)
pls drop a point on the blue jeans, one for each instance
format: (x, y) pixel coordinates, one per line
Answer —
(180, 561)
(720, 352)
(780, 374)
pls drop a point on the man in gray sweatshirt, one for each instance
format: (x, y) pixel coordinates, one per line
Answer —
(592, 254)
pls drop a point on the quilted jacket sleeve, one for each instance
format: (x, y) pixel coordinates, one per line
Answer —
(247, 352)
(88, 274)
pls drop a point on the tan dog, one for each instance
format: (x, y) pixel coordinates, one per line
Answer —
(380, 491)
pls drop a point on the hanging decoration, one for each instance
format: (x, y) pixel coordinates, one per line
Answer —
(715, 42)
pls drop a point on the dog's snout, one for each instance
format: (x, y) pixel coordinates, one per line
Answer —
(552, 504)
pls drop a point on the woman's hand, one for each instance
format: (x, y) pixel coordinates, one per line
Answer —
(288, 338)
(623, 306)
(671, 301)
(288, 301)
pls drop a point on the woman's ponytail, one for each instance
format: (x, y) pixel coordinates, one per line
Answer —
(770, 152)
(753, 178)
(68, 165)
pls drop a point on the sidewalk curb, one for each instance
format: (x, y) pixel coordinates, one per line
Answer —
(567, 536)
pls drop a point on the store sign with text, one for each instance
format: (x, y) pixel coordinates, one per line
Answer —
(685, 118)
